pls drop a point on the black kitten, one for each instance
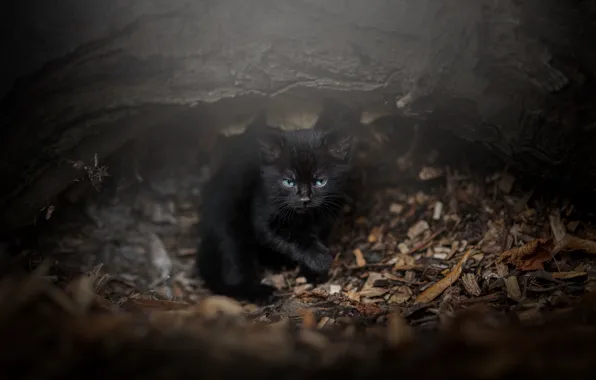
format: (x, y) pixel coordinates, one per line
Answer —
(271, 202)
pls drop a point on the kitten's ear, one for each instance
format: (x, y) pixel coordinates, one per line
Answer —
(338, 143)
(271, 143)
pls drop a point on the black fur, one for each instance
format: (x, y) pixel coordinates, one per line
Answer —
(271, 203)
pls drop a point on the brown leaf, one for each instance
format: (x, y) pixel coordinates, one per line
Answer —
(530, 256)
(568, 275)
(440, 286)
(360, 260)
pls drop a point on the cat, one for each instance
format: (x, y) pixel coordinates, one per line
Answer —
(271, 203)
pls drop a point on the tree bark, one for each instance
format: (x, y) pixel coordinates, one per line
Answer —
(515, 76)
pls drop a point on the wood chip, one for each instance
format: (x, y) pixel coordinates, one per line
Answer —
(396, 208)
(401, 295)
(360, 260)
(375, 235)
(513, 290)
(440, 286)
(334, 289)
(471, 284)
(438, 210)
(418, 229)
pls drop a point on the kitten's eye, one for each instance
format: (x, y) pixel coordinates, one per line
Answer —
(288, 182)
(320, 182)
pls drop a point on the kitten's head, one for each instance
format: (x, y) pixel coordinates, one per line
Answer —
(304, 170)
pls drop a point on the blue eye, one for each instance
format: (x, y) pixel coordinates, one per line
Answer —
(320, 182)
(288, 182)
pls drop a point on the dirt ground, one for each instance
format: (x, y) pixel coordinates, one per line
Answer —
(425, 235)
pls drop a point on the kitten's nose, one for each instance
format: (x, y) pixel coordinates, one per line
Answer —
(305, 200)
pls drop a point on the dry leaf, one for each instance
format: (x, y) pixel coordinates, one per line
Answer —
(360, 261)
(530, 256)
(572, 243)
(374, 292)
(568, 275)
(513, 290)
(439, 287)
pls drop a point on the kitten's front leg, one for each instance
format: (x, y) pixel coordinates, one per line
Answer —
(316, 259)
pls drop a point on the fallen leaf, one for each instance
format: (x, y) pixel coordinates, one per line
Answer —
(513, 290)
(374, 292)
(440, 286)
(530, 256)
(360, 260)
(573, 243)
(568, 275)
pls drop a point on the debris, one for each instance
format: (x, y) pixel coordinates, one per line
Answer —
(334, 289)
(214, 306)
(428, 173)
(375, 235)
(418, 229)
(440, 286)
(530, 256)
(513, 290)
(400, 295)
(506, 182)
(471, 284)
(438, 210)
(360, 261)
(396, 208)
(398, 330)
(568, 275)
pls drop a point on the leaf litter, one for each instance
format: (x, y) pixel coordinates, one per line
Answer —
(407, 259)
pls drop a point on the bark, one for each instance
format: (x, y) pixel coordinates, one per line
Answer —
(515, 76)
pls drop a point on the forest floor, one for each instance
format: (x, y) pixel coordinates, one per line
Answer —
(422, 240)
(422, 244)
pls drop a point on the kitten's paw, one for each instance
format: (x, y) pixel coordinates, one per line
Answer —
(319, 262)
(314, 278)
